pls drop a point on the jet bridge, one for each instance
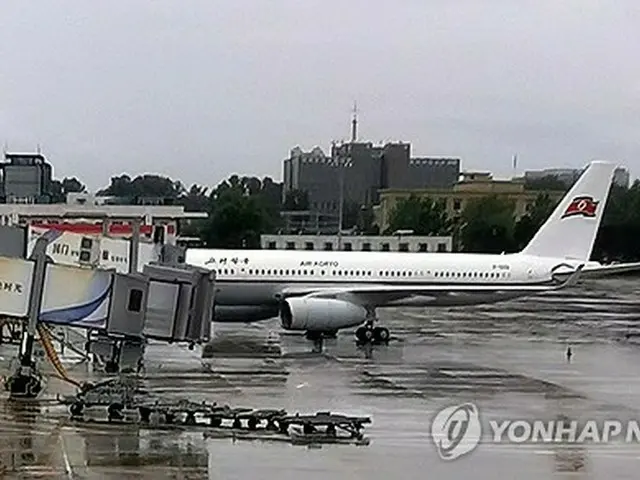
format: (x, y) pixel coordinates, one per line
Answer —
(171, 303)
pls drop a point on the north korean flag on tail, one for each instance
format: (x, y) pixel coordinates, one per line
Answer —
(585, 206)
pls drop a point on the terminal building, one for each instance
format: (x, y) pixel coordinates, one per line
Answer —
(361, 243)
(86, 214)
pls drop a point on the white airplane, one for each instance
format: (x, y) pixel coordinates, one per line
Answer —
(322, 292)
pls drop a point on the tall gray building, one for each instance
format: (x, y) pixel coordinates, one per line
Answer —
(26, 178)
(568, 176)
(362, 168)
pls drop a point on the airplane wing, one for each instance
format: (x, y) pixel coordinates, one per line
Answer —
(597, 271)
(384, 293)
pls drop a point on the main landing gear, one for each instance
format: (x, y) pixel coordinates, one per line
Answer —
(368, 334)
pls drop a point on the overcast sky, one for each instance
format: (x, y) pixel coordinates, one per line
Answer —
(201, 89)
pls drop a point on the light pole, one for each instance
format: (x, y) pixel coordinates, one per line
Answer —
(341, 197)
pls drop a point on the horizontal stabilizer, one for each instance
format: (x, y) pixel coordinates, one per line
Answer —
(610, 270)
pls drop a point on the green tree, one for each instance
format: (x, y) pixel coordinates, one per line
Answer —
(488, 225)
(423, 215)
(143, 186)
(366, 221)
(240, 210)
(235, 220)
(60, 189)
(296, 200)
(618, 235)
(530, 223)
(548, 182)
(195, 199)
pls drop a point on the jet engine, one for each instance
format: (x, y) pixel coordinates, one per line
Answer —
(320, 314)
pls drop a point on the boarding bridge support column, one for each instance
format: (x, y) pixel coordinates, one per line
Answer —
(113, 364)
(26, 380)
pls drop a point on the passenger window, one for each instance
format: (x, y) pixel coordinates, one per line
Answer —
(322, 272)
(135, 300)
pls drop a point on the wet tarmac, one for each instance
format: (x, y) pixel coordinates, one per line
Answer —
(509, 359)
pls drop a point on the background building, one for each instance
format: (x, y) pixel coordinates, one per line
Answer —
(360, 170)
(26, 178)
(361, 243)
(568, 176)
(473, 185)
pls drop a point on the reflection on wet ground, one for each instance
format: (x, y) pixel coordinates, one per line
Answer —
(508, 358)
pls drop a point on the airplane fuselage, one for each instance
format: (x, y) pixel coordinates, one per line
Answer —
(250, 282)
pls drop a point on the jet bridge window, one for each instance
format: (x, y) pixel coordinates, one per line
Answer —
(135, 300)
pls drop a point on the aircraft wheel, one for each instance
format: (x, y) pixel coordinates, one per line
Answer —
(145, 414)
(216, 421)
(381, 334)
(252, 423)
(76, 409)
(364, 334)
(111, 367)
(114, 411)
